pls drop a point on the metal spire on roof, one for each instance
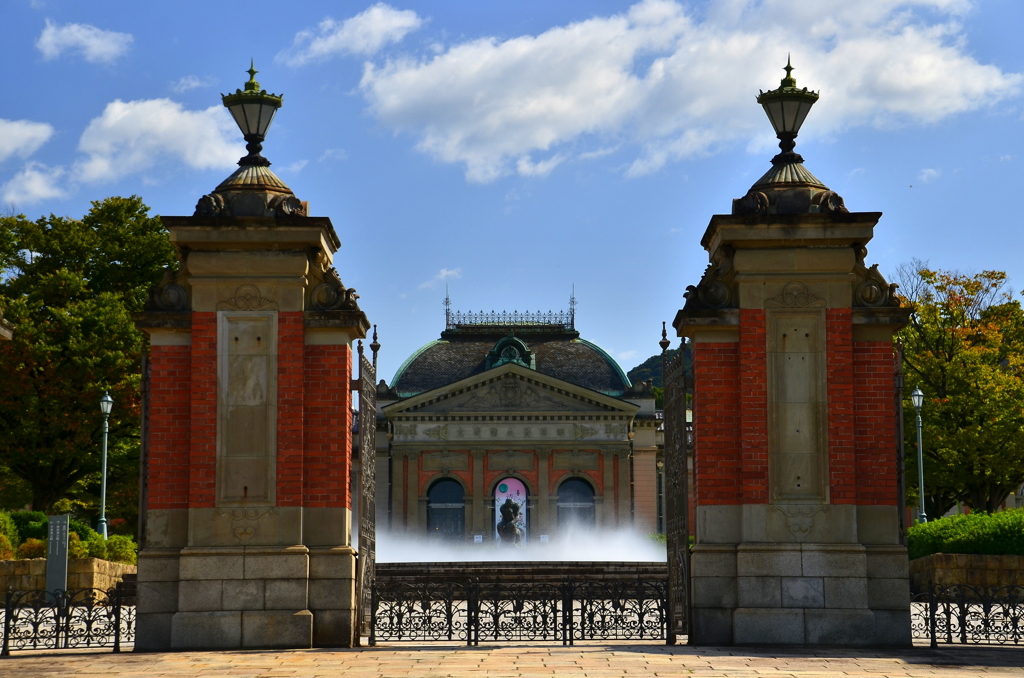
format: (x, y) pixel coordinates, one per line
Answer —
(572, 308)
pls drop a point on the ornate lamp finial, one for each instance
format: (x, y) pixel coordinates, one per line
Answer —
(664, 343)
(253, 110)
(787, 107)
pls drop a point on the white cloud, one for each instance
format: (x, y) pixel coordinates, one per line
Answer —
(34, 183)
(365, 33)
(295, 166)
(190, 82)
(333, 154)
(627, 355)
(22, 137)
(130, 136)
(675, 84)
(442, 275)
(94, 44)
(929, 174)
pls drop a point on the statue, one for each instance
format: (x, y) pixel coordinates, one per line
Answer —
(508, 530)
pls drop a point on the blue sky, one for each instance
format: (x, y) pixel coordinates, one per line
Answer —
(513, 150)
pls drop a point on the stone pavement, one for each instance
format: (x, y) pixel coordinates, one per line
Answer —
(512, 661)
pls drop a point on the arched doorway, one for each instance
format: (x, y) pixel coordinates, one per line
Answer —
(515, 490)
(446, 509)
(576, 504)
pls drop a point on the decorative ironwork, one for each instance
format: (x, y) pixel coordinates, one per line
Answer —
(76, 618)
(564, 319)
(677, 444)
(471, 612)
(367, 486)
(969, 614)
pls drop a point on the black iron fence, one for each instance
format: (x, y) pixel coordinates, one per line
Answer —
(76, 618)
(969, 614)
(470, 612)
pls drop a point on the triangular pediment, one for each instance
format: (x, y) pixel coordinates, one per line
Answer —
(510, 388)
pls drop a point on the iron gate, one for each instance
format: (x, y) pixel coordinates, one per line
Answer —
(367, 485)
(534, 611)
(677, 519)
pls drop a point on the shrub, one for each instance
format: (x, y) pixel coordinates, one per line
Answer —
(76, 547)
(6, 549)
(122, 549)
(976, 533)
(97, 547)
(8, 528)
(32, 548)
(30, 524)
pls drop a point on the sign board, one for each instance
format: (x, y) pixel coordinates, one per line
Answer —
(57, 553)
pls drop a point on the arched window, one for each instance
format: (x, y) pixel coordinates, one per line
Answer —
(446, 509)
(511, 493)
(575, 504)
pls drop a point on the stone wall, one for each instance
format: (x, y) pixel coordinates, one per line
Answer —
(946, 569)
(83, 573)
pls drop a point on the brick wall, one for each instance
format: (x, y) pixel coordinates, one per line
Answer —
(716, 419)
(203, 411)
(876, 444)
(169, 403)
(327, 408)
(290, 415)
(842, 457)
(754, 406)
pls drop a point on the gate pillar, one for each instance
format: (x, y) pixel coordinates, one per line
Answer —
(796, 451)
(247, 539)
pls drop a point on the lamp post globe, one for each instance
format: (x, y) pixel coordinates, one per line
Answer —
(786, 108)
(253, 110)
(106, 404)
(917, 399)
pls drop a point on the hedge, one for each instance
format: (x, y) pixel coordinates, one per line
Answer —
(1000, 534)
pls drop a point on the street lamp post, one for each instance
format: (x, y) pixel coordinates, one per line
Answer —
(917, 398)
(106, 403)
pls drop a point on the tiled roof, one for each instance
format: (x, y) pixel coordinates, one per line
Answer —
(572, 360)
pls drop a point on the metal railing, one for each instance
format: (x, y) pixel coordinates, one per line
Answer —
(969, 614)
(563, 319)
(76, 618)
(470, 612)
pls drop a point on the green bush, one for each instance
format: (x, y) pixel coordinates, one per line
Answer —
(76, 547)
(122, 549)
(30, 524)
(6, 548)
(9, 529)
(32, 548)
(981, 533)
(97, 547)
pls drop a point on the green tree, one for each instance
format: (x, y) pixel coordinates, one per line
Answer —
(964, 347)
(70, 287)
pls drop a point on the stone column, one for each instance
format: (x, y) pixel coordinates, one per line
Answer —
(248, 540)
(797, 538)
(608, 495)
(544, 522)
(480, 512)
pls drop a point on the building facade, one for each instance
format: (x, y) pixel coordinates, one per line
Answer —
(514, 407)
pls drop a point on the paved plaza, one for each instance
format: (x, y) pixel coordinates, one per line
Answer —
(511, 661)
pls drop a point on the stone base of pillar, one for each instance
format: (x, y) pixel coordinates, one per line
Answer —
(246, 597)
(801, 594)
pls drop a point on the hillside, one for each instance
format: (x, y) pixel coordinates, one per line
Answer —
(650, 368)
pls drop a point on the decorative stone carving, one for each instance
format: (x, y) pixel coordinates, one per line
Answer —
(754, 202)
(714, 290)
(800, 519)
(795, 295)
(245, 522)
(170, 294)
(247, 298)
(873, 290)
(580, 431)
(437, 432)
(332, 295)
(287, 206)
(405, 430)
(830, 202)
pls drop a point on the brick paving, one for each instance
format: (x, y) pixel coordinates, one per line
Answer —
(512, 661)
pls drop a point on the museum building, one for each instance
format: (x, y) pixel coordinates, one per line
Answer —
(514, 405)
